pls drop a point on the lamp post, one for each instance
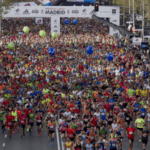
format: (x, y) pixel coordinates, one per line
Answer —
(129, 6)
(133, 15)
(143, 21)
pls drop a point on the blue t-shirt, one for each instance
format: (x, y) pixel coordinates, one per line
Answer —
(111, 102)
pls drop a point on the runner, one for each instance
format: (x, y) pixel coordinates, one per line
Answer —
(51, 127)
(68, 144)
(100, 144)
(23, 123)
(77, 145)
(139, 122)
(130, 133)
(30, 122)
(10, 119)
(39, 121)
(2, 118)
(145, 134)
(15, 121)
(113, 143)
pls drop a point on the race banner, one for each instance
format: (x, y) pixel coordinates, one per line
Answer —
(39, 20)
(136, 40)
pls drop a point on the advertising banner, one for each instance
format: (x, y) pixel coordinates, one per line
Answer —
(39, 20)
(63, 11)
(44, 2)
(111, 12)
(25, 4)
(55, 25)
(137, 40)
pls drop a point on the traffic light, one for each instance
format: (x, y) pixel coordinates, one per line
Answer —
(96, 7)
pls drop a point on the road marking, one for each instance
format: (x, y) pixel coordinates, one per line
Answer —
(58, 142)
(62, 143)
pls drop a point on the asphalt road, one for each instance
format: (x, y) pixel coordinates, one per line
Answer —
(34, 142)
(28, 142)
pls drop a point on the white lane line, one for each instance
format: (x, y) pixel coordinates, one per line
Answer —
(62, 143)
(58, 142)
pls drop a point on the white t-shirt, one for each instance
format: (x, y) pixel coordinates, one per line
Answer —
(67, 114)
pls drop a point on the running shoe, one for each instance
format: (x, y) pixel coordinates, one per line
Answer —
(51, 144)
(48, 137)
(139, 140)
(38, 135)
(14, 131)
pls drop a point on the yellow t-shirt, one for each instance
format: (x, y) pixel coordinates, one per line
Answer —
(144, 92)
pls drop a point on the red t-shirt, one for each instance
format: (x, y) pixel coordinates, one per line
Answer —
(5, 102)
(10, 120)
(107, 107)
(27, 111)
(71, 132)
(23, 119)
(131, 132)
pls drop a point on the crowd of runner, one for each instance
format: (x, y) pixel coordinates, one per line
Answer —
(96, 102)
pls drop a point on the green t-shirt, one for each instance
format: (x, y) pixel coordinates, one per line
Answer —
(141, 103)
(32, 117)
(103, 133)
(2, 115)
(140, 122)
(45, 91)
(130, 92)
(74, 125)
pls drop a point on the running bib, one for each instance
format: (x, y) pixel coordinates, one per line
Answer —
(9, 123)
(113, 145)
(143, 114)
(131, 133)
(110, 119)
(68, 148)
(51, 127)
(39, 121)
(86, 119)
(144, 134)
(91, 137)
(139, 124)
(103, 114)
(70, 135)
(22, 121)
(127, 118)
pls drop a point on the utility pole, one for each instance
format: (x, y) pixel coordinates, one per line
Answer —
(1, 10)
(129, 7)
(133, 16)
(143, 21)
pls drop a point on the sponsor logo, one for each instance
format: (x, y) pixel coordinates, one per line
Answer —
(26, 12)
(42, 11)
(55, 12)
(114, 20)
(39, 21)
(35, 11)
(28, 4)
(75, 11)
(55, 20)
(113, 11)
(55, 26)
(137, 40)
(68, 11)
(17, 11)
(84, 11)
(92, 12)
